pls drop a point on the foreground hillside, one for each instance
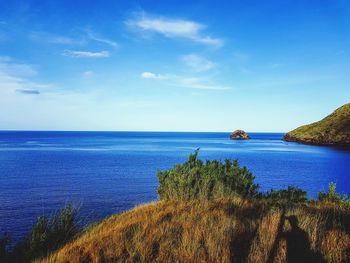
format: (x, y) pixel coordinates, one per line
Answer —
(213, 211)
(222, 230)
(332, 130)
(209, 211)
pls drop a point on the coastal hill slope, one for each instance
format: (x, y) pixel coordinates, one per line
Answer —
(213, 211)
(222, 230)
(332, 130)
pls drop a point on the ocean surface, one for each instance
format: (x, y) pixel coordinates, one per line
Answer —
(108, 172)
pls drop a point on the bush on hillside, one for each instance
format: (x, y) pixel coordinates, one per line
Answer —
(46, 235)
(290, 195)
(195, 179)
(332, 196)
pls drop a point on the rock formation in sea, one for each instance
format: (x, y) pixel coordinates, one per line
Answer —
(239, 135)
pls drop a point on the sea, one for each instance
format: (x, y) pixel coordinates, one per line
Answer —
(102, 173)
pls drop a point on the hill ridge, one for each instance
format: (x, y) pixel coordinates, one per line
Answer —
(334, 129)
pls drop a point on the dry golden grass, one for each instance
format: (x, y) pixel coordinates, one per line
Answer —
(224, 230)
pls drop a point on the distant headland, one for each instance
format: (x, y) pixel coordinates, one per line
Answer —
(332, 130)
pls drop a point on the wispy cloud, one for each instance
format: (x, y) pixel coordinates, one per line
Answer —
(8, 66)
(94, 37)
(55, 39)
(64, 40)
(197, 83)
(88, 73)
(15, 77)
(85, 54)
(82, 38)
(150, 75)
(185, 82)
(198, 63)
(174, 28)
(28, 91)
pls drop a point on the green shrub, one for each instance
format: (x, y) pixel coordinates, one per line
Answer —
(46, 235)
(287, 196)
(332, 196)
(195, 179)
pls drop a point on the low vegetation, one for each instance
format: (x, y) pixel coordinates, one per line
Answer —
(332, 196)
(212, 212)
(291, 195)
(46, 235)
(195, 179)
(220, 230)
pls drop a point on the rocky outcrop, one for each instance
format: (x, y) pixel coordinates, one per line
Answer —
(239, 135)
(288, 137)
(327, 139)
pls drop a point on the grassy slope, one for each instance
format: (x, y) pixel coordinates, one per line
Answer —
(223, 230)
(334, 129)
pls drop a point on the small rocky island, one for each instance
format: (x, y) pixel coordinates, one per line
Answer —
(239, 135)
(332, 130)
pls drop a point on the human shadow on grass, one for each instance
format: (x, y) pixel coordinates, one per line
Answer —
(298, 244)
(243, 238)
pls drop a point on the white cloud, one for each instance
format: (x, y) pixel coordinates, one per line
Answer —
(15, 78)
(198, 63)
(175, 28)
(64, 40)
(185, 82)
(55, 39)
(18, 69)
(85, 54)
(88, 73)
(150, 75)
(102, 40)
(10, 83)
(66, 108)
(197, 83)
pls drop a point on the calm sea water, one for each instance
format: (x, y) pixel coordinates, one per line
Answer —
(108, 172)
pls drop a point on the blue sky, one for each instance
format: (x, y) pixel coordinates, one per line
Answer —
(172, 65)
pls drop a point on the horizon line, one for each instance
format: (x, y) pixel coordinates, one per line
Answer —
(146, 131)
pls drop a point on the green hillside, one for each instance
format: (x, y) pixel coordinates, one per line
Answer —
(332, 130)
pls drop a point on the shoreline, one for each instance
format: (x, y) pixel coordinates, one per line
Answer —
(289, 138)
